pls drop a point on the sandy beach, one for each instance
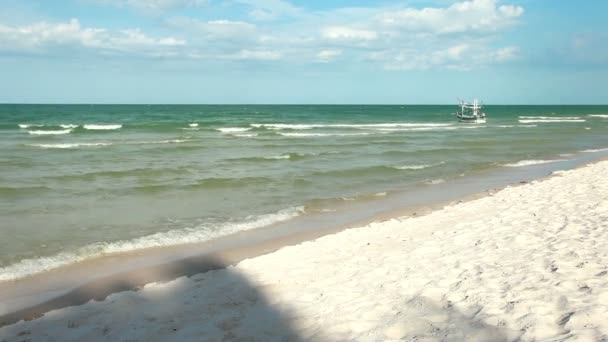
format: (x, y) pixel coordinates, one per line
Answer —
(529, 262)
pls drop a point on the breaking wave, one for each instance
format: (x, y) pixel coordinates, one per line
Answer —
(73, 145)
(182, 236)
(306, 135)
(356, 126)
(102, 127)
(417, 166)
(233, 129)
(41, 132)
(532, 162)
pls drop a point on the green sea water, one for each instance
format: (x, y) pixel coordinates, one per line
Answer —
(79, 181)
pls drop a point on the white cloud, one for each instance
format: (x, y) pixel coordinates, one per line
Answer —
(261, 55)
(270, 9)
(348, 34)
(456, 57)
(42, 36)
(467, 16)
(326, 56)
(153, 5)
(215, 29)
(463, 35)
(506, 54)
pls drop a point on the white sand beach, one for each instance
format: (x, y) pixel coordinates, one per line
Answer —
(528, 263)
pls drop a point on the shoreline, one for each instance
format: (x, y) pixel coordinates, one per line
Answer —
(526, 263)
(98, 278)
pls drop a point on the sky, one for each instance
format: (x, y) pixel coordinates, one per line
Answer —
(303, 52)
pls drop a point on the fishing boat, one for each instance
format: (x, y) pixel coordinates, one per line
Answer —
(471, 112)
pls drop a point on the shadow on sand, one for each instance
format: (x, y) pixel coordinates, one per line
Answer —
(217, 303)
(234, 308)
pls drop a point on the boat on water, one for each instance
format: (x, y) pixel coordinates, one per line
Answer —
(471, 112)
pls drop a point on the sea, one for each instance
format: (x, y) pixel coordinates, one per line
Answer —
(82, 181)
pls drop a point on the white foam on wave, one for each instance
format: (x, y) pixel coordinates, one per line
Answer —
(513, 126)
(435, 181)
(551, 117)
(417, 166)
(245, 135)
(306, 135)
(169, 141)
(553, 120)
(533, 162)
(603, 116)
(68, 126)
(356, 126)
(28, 267)
(102, 127)
(64, 131)
(29, 125)
(280, 156)
(73, 145)
(432, 128)
(233, 129)
(194, 124)
(592, 150)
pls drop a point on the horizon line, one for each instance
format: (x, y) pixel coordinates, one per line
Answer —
(289, 104)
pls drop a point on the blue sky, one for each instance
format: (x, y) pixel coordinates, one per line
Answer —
(278, 51)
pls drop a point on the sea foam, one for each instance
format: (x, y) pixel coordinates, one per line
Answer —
(28, 267)
(533, 162)
(552, 120)
(356, 126)
(307, 135)
(102, 127)
(29, 125)
(551, 117)
(591, 150)
(64, 131)
(73, 145)
(417, 166)
(233, 129)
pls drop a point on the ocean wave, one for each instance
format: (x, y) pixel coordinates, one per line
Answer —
(182, 236)
(533, 162)
(435, 181)
(64, 131)
(72, 145)
(433, 128)
(169, 141)
(292, 156)
(550, 120)
(417, 166)
(102, 127)
(194, 124)
(29, 125)
(307, 135)
(233, 129)
(551, 117)
(68, 126)
(603, 116)
(513, 126)
(356, 126)
(245, 135)
(280, 156)
(592, 150)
